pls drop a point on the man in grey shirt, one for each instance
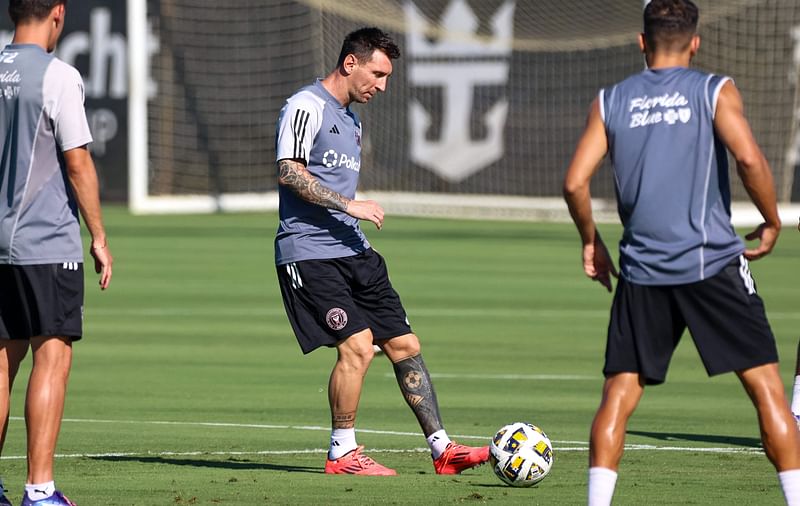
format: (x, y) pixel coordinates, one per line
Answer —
(335, 287)
(666, 130)
(46, 178)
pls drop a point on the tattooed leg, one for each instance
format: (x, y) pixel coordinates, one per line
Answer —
(415, 383)
(343, 420)
(347, 378)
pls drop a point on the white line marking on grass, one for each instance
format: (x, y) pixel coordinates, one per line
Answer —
(321, 451)
(554, 377)
(212, 453)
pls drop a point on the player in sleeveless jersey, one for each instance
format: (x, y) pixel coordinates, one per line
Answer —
(335, 287)
(46, 178)
(666, 131)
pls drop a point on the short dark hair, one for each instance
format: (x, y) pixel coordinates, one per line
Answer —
(24, 10)
(670, 24)
(364, 41)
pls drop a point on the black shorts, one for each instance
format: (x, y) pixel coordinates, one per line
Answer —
(41, 300)
(725, 317)
(330, 300)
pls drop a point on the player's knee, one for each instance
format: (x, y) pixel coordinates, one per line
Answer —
(357, 354)
(403, 347)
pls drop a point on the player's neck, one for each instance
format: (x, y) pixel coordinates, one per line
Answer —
(337, 86)
(668, 60)
(32, 33)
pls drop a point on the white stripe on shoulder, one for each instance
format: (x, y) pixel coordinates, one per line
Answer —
(601, 98)
(715, 95)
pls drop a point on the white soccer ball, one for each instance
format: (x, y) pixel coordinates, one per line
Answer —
(521, 454)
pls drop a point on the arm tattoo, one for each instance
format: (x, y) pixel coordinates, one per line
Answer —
(415, 384)
(343, 420)
(296, 177)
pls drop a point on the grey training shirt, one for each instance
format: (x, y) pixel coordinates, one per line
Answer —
(316, 129)
(671, 175)
(41, 116)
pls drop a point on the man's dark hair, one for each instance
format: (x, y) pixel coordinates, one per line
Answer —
(24, 10)
(363, 42)
(670, 24)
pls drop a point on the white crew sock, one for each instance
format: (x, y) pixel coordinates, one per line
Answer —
(601, 486)
(39, 491)
(796, 396)
(343, 441)
(790, 483)
(438, 441)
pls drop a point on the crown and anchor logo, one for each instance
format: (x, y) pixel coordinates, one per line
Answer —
(458, 62)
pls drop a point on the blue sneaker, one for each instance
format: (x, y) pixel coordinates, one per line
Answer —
(57, 499)
(4, 500)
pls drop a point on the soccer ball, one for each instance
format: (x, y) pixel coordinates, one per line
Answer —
(521, 454)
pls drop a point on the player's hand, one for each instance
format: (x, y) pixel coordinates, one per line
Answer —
(767, 236)
(102, 263)
(366, 210)
(597, 263)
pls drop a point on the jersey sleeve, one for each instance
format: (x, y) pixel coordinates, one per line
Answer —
(298, 125)
(63, 97)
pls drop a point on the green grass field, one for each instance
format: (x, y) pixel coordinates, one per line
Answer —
(189, 388)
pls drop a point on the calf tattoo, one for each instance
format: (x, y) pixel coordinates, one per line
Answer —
(415, 384)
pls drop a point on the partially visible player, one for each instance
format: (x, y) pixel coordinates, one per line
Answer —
(46, 177)
(796, 387)
(681, 263)
(335, 287)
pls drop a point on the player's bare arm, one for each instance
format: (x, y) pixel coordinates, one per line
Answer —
(294, 175)
(734, 130)
(83, 179)
(591, 150)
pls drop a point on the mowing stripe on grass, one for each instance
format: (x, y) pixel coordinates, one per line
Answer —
(582, 444)
(217, 311)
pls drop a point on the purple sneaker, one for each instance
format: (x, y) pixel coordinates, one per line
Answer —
(57, 499)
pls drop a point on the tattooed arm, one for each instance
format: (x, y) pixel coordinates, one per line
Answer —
(293, 175)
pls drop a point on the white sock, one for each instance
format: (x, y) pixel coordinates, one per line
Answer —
(601, 486)
(796, 396)
(438, 441)
(790, 483)
(342, 441)
(39, 491)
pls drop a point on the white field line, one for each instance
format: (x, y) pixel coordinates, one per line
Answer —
(580, 446)
(422, 312)
(542, 377)
(322, 451)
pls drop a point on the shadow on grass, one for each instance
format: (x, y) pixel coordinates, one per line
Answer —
(749, 442)
(238, 465)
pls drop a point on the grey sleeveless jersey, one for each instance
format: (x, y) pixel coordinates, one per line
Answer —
(671, 175)
(315, 128)
(41, 116)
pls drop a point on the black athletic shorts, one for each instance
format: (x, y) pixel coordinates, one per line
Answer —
(41, 300)
(724, 315)
(330, 300)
